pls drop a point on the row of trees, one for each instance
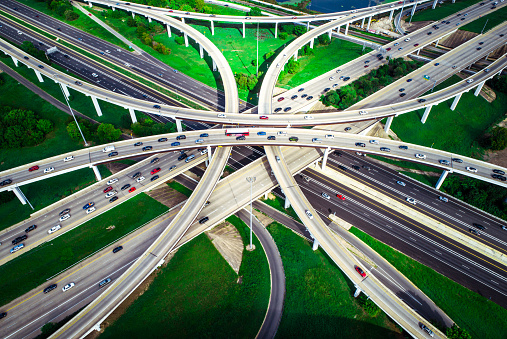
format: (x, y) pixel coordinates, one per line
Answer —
(21, 128)
(146, 126)
(62, 8)
(102, 133)
(29, 48)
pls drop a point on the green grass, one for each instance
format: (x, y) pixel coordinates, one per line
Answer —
(180, 188)
(319, 301)
(461, 304)
(279, 203)
(425, 179)
(443, 10)
(405, 164)
(83, 23)
(493, 19)
(32, 268)
(455, 131)
(198, 295)
(46, 192)
(325, 58)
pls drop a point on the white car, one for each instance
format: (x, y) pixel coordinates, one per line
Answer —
(472, 169)
(420, 156)
(221, 115)
(69, 158)
(400, 183)
(308, 117)
(444, 199)
(95, 75)
(374, 142)
(277, 65)
(281, 133)
(107, 51)
(67, 287)
(199, 141)
(54, 229)
(325, 195)
(277, 158)
(362, 112)
(469, 81)
(411, 200)
(140, 179)
(90, 210)
(204, 151)
(49, 169)
(64, 217)
(329, 136)
(110, 194)
(407, 39)
(332, 78)
(309, 214)
(112, 181)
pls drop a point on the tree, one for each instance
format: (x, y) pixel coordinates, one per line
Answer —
(70, 15)
(269, 55)
(199, 5)
(2, 80)
(456, 332)
(131, 22)
(45, 126)
(283, 35)
(299, 30)
(49, 329)
(125, 121)
(107, 133)
(255, 11)
(292, 66)
(179, 40)
(498, 138)
(324, 39)
(251, 82)
(74, 131)
(186, 8)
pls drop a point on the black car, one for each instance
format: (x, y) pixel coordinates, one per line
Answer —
(337, 153)
(403, 147)
(241, 137)
(474, 231)
(479, 226)
(301, 89)
(5, 182)
(204, 135)
(65, 211)
(278, 109)
(50, 288)
(3, 315)
(25, 57)
(347, 129)
(421, 100)
(124, 187)
(385, 149)
(326, 89)
(295, 96)
(286, 109)
(182, 156)
(156, 106)
(203, 220)
(499, 172)
(172, 167)
(360, 144)
(19, 239)
(346, 79)
(138, 144)
(379, 55)
(117, 249)
(357, 168)
(342, 167)
(499, 177)
(112, 154)
(30, 228)
(304, 95)
(309, 98)
(155, 177)
(113, 199)
(459, 161)
(137, 175)
(403, 94)
(180, 137)
(162, 140)
(271, 137)
(147, 148)
(155, 160)
(401, 89)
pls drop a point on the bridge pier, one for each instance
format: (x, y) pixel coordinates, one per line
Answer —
(369, 22)
(287, 203)
(315, 245)
(436, 43)
(96, 172)
(19, 194)
(201, 51)
(346, 28)
(65, 90)
(434, 4)
(324, 158)
(209, 153)
(296, 56)
(133, 115)
(183, 20)
(15, 61)
(149, 19)
(311, 43)
(90, 4)
(168, 31)
(214, 66)
(96, 104)
(419, 50)
(308, 26)
(357, 292)
(387, 126)
(330, 33)
(133, 15)
(426, 113)
(413, 9)
(186, 39)
(212, 27)
(276, 30)
(244, 30)
(338, 30)
(362, 22)
(479, 88)
(113, 8)
(390, 16)
(178, 125)
(455, 102)
(39, 76)
(487, 56)
(441, 179)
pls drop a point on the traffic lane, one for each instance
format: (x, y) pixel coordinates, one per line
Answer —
(464, 266)
(429, 204)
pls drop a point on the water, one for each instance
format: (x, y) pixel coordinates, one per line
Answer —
(330, 6)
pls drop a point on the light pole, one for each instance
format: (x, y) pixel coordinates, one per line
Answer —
(484, 26)
(434, 83)
(412, 13)
(257, 61)
(401, 14)
(251, 180)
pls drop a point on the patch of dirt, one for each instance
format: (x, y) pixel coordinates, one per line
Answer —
(414, 26)
(457, 38)
(116, 167)
(167, 196)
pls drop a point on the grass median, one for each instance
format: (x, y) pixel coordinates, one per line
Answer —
(319, 301)
(279, 203)
(458, 302)
(199, 295)
(443, 10)
(32, 268)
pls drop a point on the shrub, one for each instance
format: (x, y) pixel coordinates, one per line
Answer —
(179, 40)
(283, 35)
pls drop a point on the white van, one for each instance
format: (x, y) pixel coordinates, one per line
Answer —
(108, 149)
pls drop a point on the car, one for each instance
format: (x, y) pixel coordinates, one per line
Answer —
(411, 200)
(110, 194)
(438, 63)
(199, 141)
(301, 89)
(277, 158)
(64, 217)
(19, 239)
(347, 129)
(204, 135)
(346, 79)
(415, 45)
(295, 139)
(421, 100)
(30, 228)
(427, 330)
(327, 89)
(474, 231)
(17, 247)
(457, 24)
(360, 144)
(454, 67)
(6, 182)
(88, 205)
(499, 177)
(325, 195)
(420, 156)
(407, 39)
(157, 106)
(138, 144)
(95, 75)
(366, 167)
(50, 288)
(444, 199)
(117, 249)
(147, 148)
(471, 169)
(182, 156)
(112, 154)
(363, 112)
(396, 43)
(409, 80)
(444, 162)
(124, 187)
(33, 168)
(278, 109)
(341, 197)
(286, 109)
(459, 161)
(203, 220)
(65, 211)
(40, 66)
(132, 189)
(172, 167)
(399, 49)
(107, 189)
(203, 151)
(385, 149)
(329, 136)
(162, 140)
(248, 18)
(3, 314)
(304, 95)
(479, 226)
(341, 78)
(309, 214)
(403, 147)
(261, 133)
(308, 117)
(155, 177)
(69, 158)
(486, 70)
(79, 83)
(332, 78)
(54, 229)
(402, 94)
(68, 287)
(504, 228)
(318, 140)
(140, 179)
(271, 137)
(112, 181)
(360, 271)
(400, 183)
(154, 160)
(155, 170)
(280, 99)
(342, 167)
(374, 142)
(334, 86)
(241, 137)
(176, 143)
(498, 172)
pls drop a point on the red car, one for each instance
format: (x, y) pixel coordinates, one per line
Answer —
(33, 168)
(132, 189)
(294, 17)
(263, 117)
(280, 99)
(388, 48)
(170, 11)
(366, 66)
(415, 45)
(108, 188)
(360, 271)
(339, 196)
(155, 170)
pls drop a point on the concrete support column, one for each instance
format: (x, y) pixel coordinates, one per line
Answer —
(168, 31)
(362, 22)
(212, 28)
(311, 43)
(15, 61)
(244, 31)
(453, 1)
(478, 89)
(209, 153)
(133, 15)
(201, 51)
(369, 23)
(39, 76)
(436, 43)
(315, 245)
(346, 28)
(266, 195)
(426, 113)
(66, 91)
(357, 292)
(418, 51)
(390, 16)
(455, 102)
(20, 195)
(183, 20)
(296, 56)
(441, 179)
(387, 126)
(214, 66)
(178, 125)
(113, 9)
(287, 203)
(434, 4)
(330, 33)
(487, 56)
(206, 162)
(308, 26)
(338, 30)
(133, 115)
(413, 9)
(186, 39)
(276, 30)
(96, 172)
(324, 158)
(90, 4)
(97, 107)
(149, 19)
